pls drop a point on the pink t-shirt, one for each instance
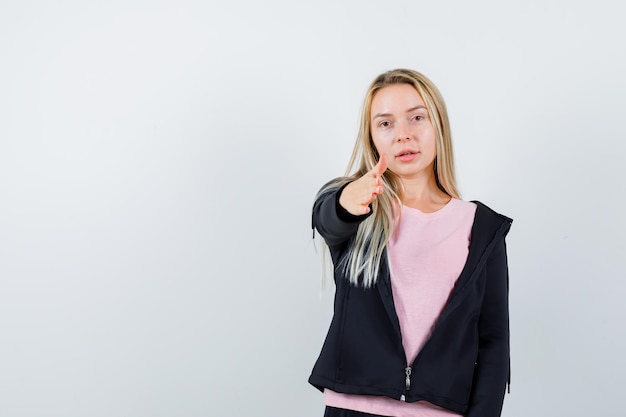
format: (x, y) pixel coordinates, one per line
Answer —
(427, 253)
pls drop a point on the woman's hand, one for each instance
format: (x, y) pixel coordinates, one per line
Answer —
(358, 195)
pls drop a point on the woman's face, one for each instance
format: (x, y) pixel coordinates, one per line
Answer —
(401, 129)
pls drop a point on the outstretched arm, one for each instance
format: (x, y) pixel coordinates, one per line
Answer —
(357, 196)
(337, 212)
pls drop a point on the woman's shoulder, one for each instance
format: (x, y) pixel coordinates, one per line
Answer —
(456, 210)
(487, 210)
(489, 221)
(462, 204)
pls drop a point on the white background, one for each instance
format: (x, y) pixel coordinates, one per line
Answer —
(159, 159)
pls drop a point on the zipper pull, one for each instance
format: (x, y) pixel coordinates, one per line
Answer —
(407, 371)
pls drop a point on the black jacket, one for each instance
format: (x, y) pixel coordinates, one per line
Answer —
(463, 366)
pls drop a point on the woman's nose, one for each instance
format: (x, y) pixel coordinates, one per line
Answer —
(402, 133)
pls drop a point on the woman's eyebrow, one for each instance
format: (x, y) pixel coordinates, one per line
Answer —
(381, 115)
(408, 111)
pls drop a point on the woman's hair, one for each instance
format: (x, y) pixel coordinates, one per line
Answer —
(362, 260)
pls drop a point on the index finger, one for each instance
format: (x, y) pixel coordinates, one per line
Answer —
(381, 166)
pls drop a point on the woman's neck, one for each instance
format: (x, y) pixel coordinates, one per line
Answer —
(423, 194)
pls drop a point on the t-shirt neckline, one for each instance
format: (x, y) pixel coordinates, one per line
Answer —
(433, 214)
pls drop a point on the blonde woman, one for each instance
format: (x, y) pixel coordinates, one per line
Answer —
(420, 325)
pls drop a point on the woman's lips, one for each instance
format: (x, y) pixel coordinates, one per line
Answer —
(406, 156)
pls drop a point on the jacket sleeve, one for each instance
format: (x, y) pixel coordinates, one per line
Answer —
(334, 223)
(492, 367)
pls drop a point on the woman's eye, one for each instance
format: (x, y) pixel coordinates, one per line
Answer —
(384, 124)
(418, 117)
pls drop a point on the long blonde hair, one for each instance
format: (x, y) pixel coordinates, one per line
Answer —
(362, 260)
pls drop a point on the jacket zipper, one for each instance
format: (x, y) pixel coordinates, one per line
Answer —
(407, 382)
